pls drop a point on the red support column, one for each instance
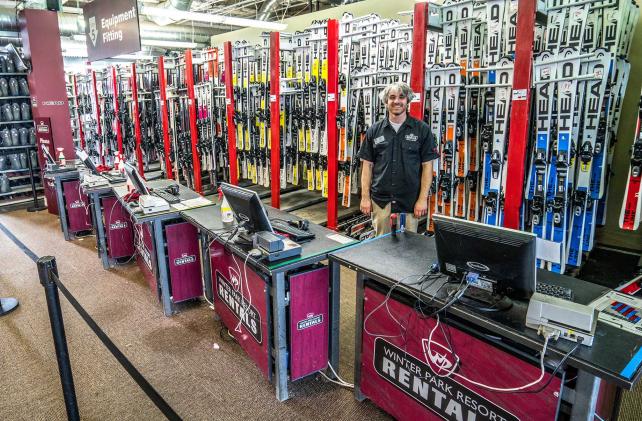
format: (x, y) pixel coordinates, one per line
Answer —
(137, 133)
(275, 118)
(80, 132)
(418, 68)
(519, 121)
(229, 103)
(196, 160)
(331, 122)
(119, 135)
(165, 119)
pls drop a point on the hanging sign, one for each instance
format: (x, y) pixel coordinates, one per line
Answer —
(111, 28)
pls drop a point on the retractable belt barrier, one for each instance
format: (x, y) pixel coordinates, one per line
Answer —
(48, 274)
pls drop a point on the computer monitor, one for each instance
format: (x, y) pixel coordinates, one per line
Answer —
(45, 151)
(247, 208)
(136, 179)
(502, 260)
(84, 157)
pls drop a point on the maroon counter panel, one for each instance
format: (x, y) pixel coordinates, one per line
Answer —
(50, 196)
(76, 206)
(145, 254)
(398, 370)
(309, 322)
(242, 304)
(118, 229)
(183, 253)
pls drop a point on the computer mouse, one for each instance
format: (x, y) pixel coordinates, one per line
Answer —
(173, 189)
(256, 253)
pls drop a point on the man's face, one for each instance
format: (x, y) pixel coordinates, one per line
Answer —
(397, 102)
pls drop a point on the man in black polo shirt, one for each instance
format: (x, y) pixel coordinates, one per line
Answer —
(396, 159)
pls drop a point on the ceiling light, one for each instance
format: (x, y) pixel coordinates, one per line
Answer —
(211, 18)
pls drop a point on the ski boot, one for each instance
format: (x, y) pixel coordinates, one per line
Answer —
(7, 115)
(32, 135)
(15, 161)
(11, 68)
(4, 87)
(4, 184)
(5, 137)
(25, 111)
(3, 65)
(13, 87)
(3, 163)
(15, 111)
(24, 136)
(24, 87)
(15, 137)
(23, 160)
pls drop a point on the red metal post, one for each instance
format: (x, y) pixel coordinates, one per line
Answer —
(331, 122)
(275, 118)
(119, 135)
(229, 102)
(418, 69)
(165, 119)
(191, 102)
(519, 122)
(80, 132)
(137, 133)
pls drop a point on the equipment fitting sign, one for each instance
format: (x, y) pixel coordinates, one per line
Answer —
(111, 28)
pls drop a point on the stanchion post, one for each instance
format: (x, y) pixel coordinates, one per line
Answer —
(229, 104)
(47, 269)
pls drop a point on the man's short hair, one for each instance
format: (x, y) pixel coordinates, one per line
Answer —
(401, 87)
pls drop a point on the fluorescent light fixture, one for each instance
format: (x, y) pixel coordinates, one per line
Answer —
(211, 18)
(152, 42)
(133, 57)
(167, 43)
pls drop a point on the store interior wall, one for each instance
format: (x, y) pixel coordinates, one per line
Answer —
(385, 9)
(610, 234)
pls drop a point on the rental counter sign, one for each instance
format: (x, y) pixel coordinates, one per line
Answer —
(111, 28)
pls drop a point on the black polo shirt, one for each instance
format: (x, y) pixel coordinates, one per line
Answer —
(397, 159)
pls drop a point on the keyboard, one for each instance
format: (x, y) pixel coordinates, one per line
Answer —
(555, 291)
(170, 198)
(113, 178)
(293, 233)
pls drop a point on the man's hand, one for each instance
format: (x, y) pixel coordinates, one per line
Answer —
(366, 205)
(421, 207)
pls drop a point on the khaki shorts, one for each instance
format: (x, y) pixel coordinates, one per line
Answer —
(381, 219)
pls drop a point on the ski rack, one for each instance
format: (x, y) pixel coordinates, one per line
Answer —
(117, 122)
(191, 103)
(230, 107)
(136, 121)
(99, 129)
(81, 134)
(162, 85)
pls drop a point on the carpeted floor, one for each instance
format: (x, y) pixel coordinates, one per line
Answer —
(177, 355)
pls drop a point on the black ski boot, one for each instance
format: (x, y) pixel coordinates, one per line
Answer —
(24, 87)
(23, 160)
(24, 136)
(14, 90)
(15, 137)
(4, 184)
(25, 111)
(15, 111)
(4, 87)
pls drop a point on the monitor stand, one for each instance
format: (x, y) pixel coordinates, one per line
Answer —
(244, 238)
(480, 299)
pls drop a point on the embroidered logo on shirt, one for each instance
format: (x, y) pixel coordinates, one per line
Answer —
(412, 137)
(379, 139)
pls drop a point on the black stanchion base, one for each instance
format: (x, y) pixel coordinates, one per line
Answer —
(7, 305)
(36, 208)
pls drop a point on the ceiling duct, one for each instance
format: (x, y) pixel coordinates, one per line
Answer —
(179, 5)
(266, 9)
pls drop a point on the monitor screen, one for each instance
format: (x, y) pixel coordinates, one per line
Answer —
(247, 208)
(504, 259)
(82, 155)
(136, 179)
(47, 155)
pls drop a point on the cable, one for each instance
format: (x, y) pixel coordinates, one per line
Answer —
(340, 381)
(484, 386)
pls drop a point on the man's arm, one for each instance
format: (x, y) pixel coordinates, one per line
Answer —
(421, 207)
(366, 180)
